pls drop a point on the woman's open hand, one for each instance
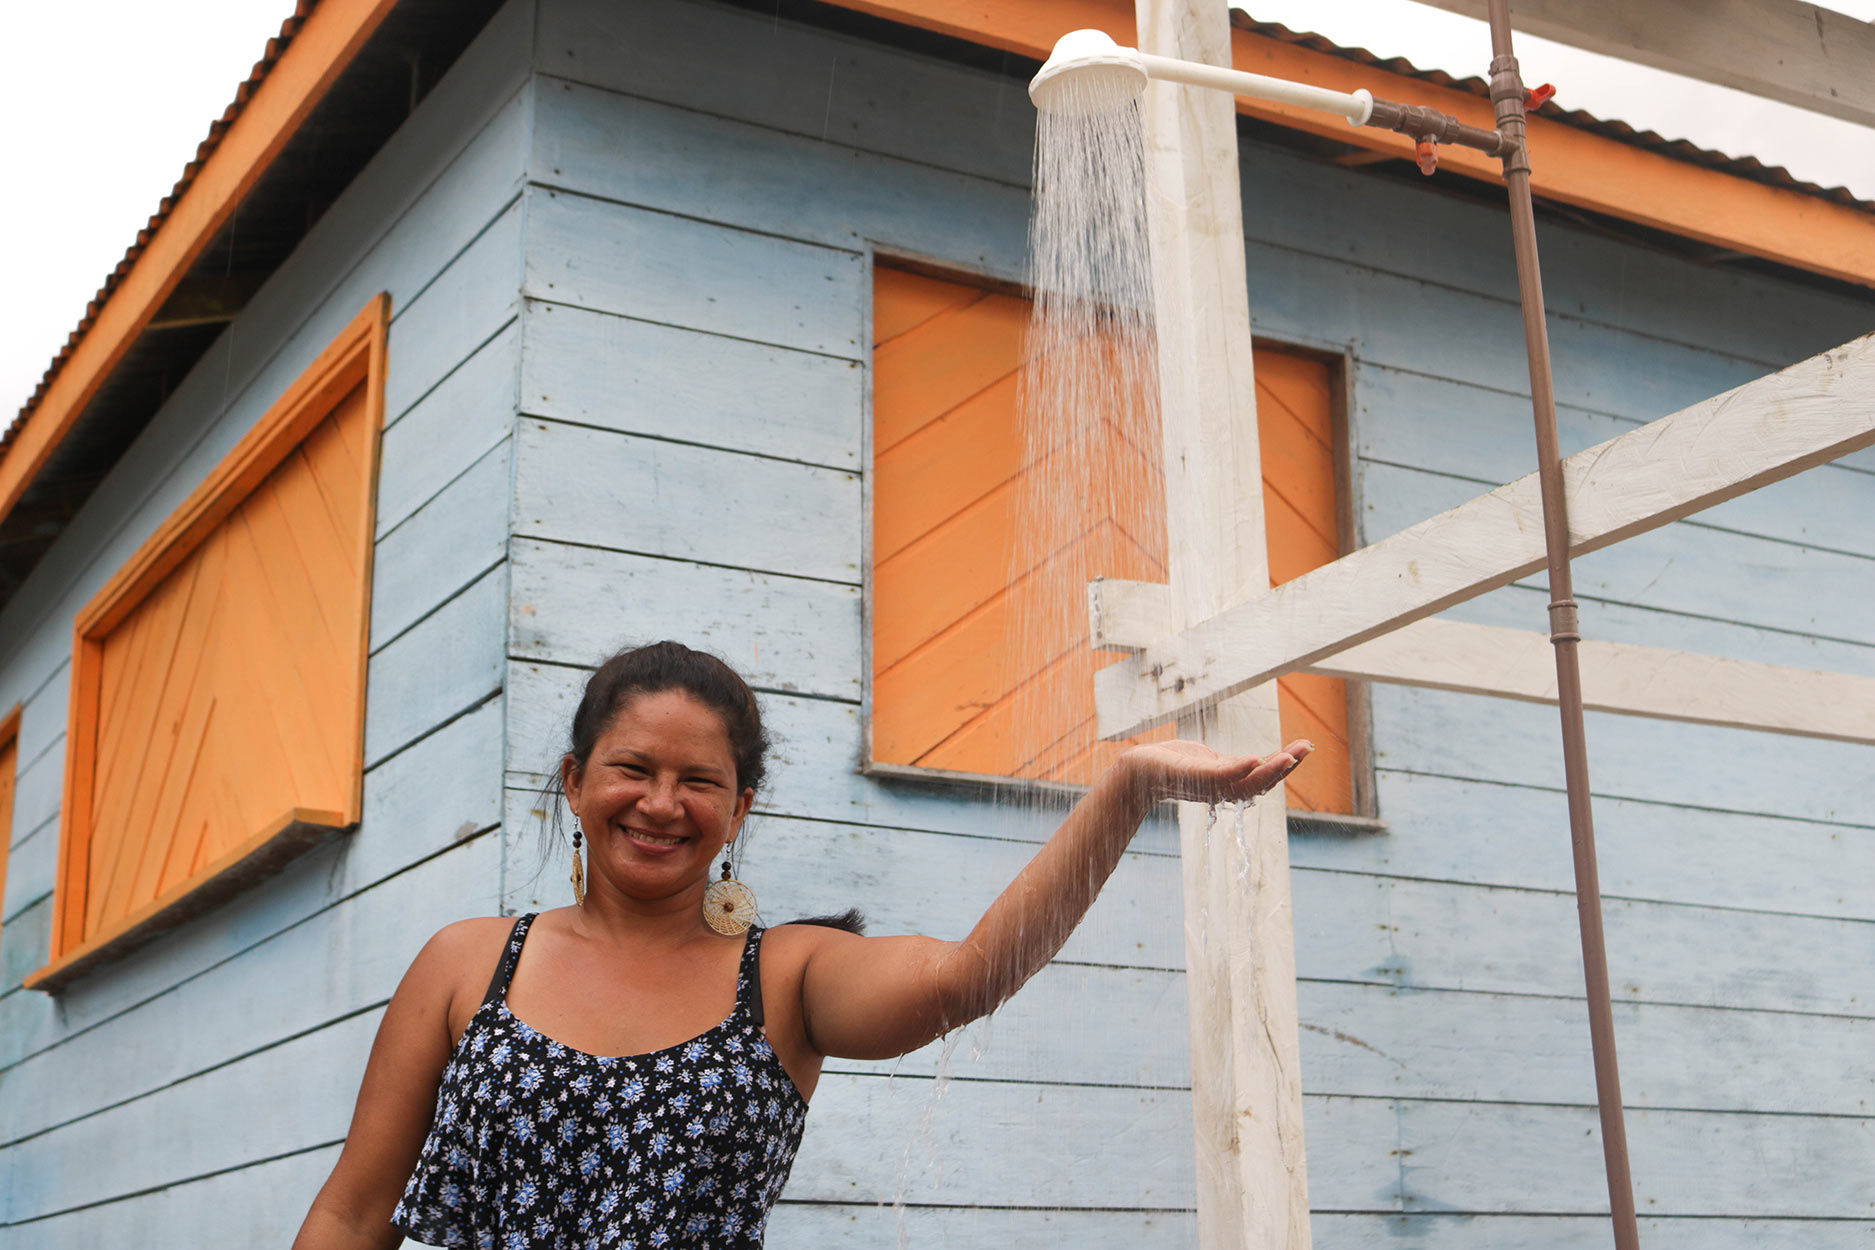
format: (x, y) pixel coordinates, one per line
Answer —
(1191, 770)
(869, 998)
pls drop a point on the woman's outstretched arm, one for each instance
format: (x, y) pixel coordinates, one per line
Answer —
(869, 998)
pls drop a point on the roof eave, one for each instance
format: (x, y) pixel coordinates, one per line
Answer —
(1583, 164)
(285, 92)
(1578, 161)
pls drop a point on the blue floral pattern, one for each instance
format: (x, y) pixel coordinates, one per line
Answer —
(536, 1145)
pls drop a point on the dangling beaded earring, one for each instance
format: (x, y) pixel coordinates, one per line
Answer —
(728, 905)
(579, 869)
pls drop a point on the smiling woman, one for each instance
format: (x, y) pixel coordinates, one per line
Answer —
(637, 1070)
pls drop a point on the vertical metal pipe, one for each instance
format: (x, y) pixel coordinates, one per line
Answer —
(1507, 93)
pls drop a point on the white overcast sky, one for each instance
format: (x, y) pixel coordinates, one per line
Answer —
(102, 102)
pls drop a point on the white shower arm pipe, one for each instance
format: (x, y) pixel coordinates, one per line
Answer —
(1360, 108)
(1356, 106)
(1088, 72)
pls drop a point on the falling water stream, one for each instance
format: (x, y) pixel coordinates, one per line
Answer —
(1090, 503)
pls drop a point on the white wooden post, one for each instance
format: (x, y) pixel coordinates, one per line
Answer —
(1252, 1187)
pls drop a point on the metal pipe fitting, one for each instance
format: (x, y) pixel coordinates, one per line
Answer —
(1421, 122)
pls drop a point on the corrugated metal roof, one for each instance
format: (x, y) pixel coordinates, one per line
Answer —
(275, 48)
(1679, 149)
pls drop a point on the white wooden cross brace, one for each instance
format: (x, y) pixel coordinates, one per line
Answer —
(1438, 654)
(1723, 447)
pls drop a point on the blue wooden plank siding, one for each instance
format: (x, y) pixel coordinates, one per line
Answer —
(194, 1094)
(705, 189)
(629, 399)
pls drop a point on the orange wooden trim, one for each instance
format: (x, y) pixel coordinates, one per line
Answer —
(74, 869)
(281, 841)
(331, 36)
(1569, 165)
(9, 738)
(378, 369)
(357, 356)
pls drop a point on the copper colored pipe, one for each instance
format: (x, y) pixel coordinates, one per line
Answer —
(1428, 123)
(1507, 93)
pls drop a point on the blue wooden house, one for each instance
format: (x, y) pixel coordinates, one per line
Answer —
(483, 338)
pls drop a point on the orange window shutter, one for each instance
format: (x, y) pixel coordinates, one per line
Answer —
(223, 704)
(218, 680)
(980, 655)
(1296, 438)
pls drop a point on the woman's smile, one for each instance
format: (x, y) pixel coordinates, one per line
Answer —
(654, 843)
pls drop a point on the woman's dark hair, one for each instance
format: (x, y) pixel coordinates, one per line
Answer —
(663, 666)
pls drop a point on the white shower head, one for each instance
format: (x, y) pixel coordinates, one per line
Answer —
(1088, 73)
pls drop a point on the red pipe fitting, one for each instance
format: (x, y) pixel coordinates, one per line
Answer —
(1427, 151)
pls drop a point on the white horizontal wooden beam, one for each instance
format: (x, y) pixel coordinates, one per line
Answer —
(1517, 664)
(1751, 436)
(1801, 54)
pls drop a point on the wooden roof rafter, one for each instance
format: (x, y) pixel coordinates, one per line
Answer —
(1797, 53)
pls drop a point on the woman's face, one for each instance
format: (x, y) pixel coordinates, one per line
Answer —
(657, 797)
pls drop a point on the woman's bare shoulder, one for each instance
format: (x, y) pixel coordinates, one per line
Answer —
(793, 944)
(478, 935)
(463, 948)
(451, 972)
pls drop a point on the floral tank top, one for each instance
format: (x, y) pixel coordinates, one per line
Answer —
(536, 1144)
